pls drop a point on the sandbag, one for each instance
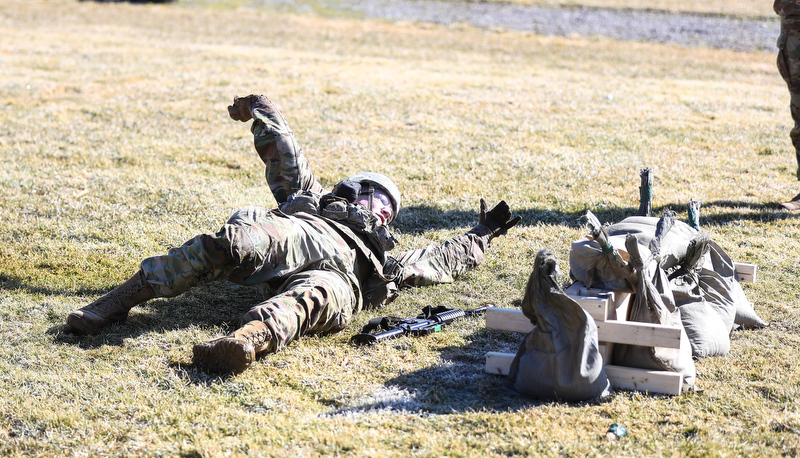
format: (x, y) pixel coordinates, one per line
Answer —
(706, 313)
(704, 287)
(595, 269)
(559, 359)
(707, 332)
(654, 303)
(726, 288)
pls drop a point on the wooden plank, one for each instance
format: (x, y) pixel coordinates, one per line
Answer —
(744, 268)
(635, 333)
(574, 288)
(626, 378)
(507, 320)
(624, 332)
(631, 378)
(617, 308)
(622, 303)
(745, 273)
(498, 363)
(596, 307)
(577, 289)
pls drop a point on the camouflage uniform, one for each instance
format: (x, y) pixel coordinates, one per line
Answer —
(789, 63)
(315, 271)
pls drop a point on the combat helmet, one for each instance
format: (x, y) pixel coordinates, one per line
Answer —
(379, 181)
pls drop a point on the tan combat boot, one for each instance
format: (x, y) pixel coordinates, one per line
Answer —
(111, 307)
(235, 352)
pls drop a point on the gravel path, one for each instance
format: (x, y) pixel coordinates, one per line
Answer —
(658, 27)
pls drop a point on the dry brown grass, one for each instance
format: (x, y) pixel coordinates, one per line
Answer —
(115, 144)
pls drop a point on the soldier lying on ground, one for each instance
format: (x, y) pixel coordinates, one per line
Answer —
(319, 258)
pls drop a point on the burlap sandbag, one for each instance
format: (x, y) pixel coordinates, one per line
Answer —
(559, 359)
(593, 267)
(707, 315)
(654, 303)
(712, 302)
(722, 287)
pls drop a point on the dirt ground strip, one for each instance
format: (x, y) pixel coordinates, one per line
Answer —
(632, 25)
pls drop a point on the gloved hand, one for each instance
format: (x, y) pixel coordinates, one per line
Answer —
(241, 108)
(498, 219)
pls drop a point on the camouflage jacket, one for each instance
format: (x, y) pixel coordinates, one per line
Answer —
(289, 173)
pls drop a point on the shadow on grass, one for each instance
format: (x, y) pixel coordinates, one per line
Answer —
(459, 385)
(731, 210)
(10, 283)
(422, 218)
(217, 305)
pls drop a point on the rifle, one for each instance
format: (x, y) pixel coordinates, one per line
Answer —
(432, 319)
(645, 192)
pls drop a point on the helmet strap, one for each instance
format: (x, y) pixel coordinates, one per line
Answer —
(371, 196)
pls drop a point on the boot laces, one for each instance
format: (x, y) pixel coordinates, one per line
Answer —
(260, 337)
(116, 301)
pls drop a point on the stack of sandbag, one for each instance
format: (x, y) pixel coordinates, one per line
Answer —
(654, 303)
(559, 359)
(692, 274)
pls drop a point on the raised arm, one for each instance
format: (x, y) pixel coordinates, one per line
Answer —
(287, 171)
(446, 262)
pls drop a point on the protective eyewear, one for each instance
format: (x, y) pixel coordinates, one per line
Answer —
(377, 194)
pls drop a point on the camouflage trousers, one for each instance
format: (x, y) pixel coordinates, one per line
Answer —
(789, 68)
(308, 267)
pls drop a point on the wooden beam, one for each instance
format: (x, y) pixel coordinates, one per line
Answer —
(498, 363)
(624, 332)
(597, 307)
(626, 378)
(615, 309)
(577, 289)
(507, 320)
(635, 333)
(622, 303)
(745, 273)
(650, 381)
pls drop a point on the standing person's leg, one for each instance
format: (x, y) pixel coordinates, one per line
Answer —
(789, 68)
(311, 302)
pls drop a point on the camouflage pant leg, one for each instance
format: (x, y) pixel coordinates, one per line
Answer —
(255, 246)
(789, 68)
(311, 302)
(203, 259)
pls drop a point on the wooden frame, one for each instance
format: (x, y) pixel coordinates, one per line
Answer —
(609, 309)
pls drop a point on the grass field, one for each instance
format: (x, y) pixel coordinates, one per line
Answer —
(115, 145)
